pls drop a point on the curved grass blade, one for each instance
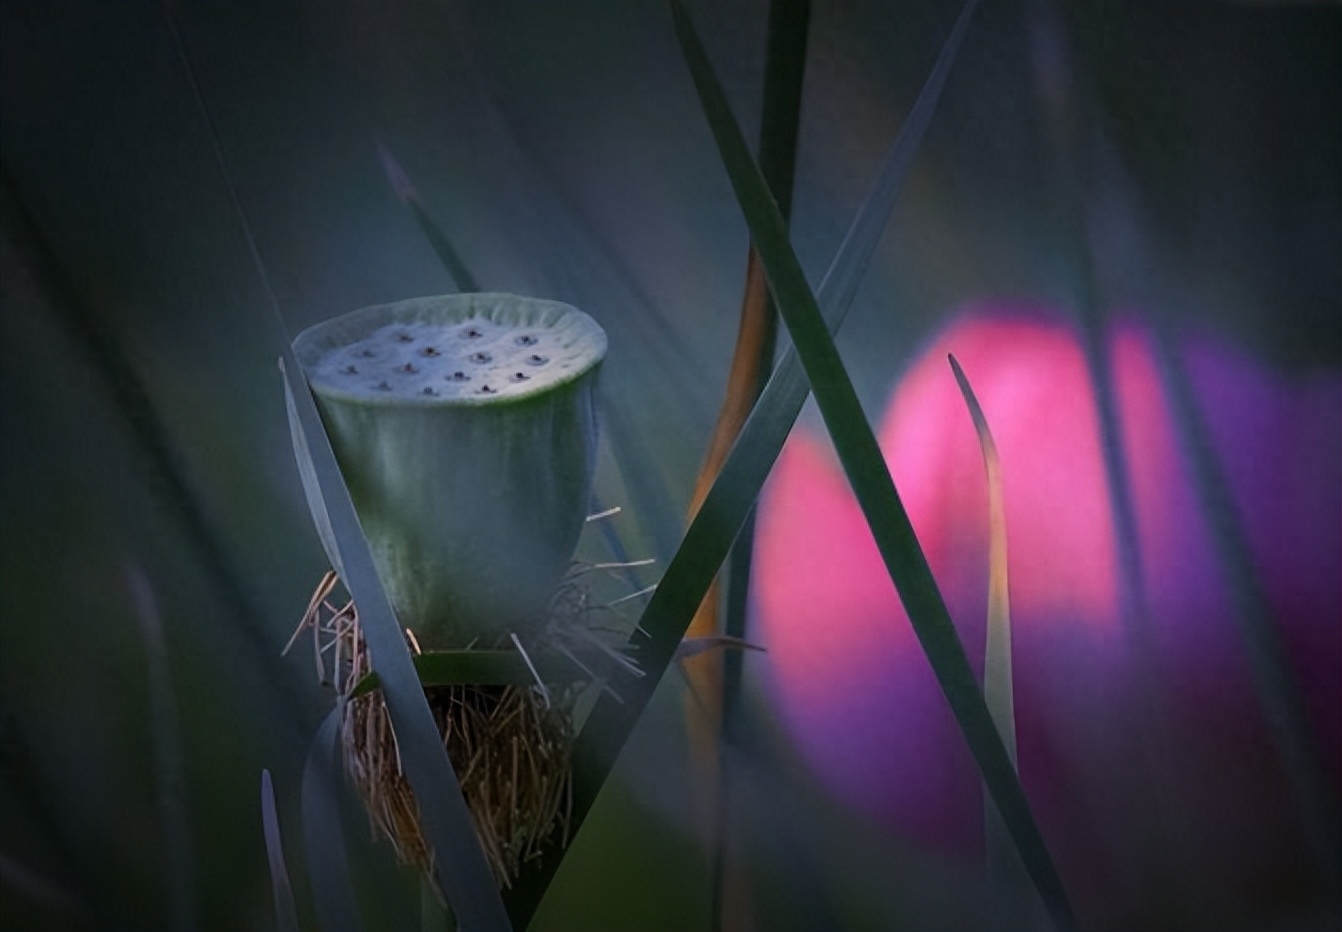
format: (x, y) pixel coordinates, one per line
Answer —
(1004, 868)
(459, 860)
(725, 510)
(323, 834)
(870, 478)
(997, 681)
(286, 913)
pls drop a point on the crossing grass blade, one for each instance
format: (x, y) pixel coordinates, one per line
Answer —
(323, 833)
(719, 677)
(870, 479)
(725, 509)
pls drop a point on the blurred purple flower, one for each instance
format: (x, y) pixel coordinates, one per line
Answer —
(854, 690)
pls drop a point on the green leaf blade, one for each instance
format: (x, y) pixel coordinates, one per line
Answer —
(459, 863)
(870, 479)
(729, 501)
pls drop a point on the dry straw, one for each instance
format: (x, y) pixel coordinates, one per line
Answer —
(510, 744)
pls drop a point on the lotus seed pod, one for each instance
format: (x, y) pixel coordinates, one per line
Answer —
(465, 428)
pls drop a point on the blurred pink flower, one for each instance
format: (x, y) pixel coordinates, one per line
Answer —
(855, 692)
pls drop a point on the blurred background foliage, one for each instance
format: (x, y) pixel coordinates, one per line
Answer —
(561, 148)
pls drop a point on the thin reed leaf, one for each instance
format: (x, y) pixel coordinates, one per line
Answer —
(1065, 106)
(128, 394)
(442, 246)
(459, 861)
(323, 832)
(286, 913)
(715, 681)
(867, 473)
(1274, 679)
(998, 679)
(459, 864)
(1072, 122)
(731, 498)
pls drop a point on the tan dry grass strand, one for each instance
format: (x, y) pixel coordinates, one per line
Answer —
(510, 745)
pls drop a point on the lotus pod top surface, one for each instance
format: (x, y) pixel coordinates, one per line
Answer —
(470, 349)
(465, 429)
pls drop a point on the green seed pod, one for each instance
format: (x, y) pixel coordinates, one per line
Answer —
(465, 428)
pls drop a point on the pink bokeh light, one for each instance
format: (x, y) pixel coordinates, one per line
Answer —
(853, 689)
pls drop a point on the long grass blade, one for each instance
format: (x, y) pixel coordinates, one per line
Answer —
(716, 681)
(286, 912)
(725, 510)
(459, 860)
(442, 246)
(1273, 677)
(1065, 107)
(323, 833)
(169, 479)
(629, 456)
(870, 479)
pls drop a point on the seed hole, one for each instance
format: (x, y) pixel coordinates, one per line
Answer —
(350, 370)
(486, 390)
(383, 386)
(405, 338)
(458, 377)
(429, 390)
(366, 353)
(526, 339)
(481, 357)
(520, 376)
(536, 359)
(430, 351)
(473, 333)
(409, 367)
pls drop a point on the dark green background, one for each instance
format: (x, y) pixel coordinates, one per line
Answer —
(560, 147)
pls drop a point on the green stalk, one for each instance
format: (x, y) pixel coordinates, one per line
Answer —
(784, 78)
(709, 538)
